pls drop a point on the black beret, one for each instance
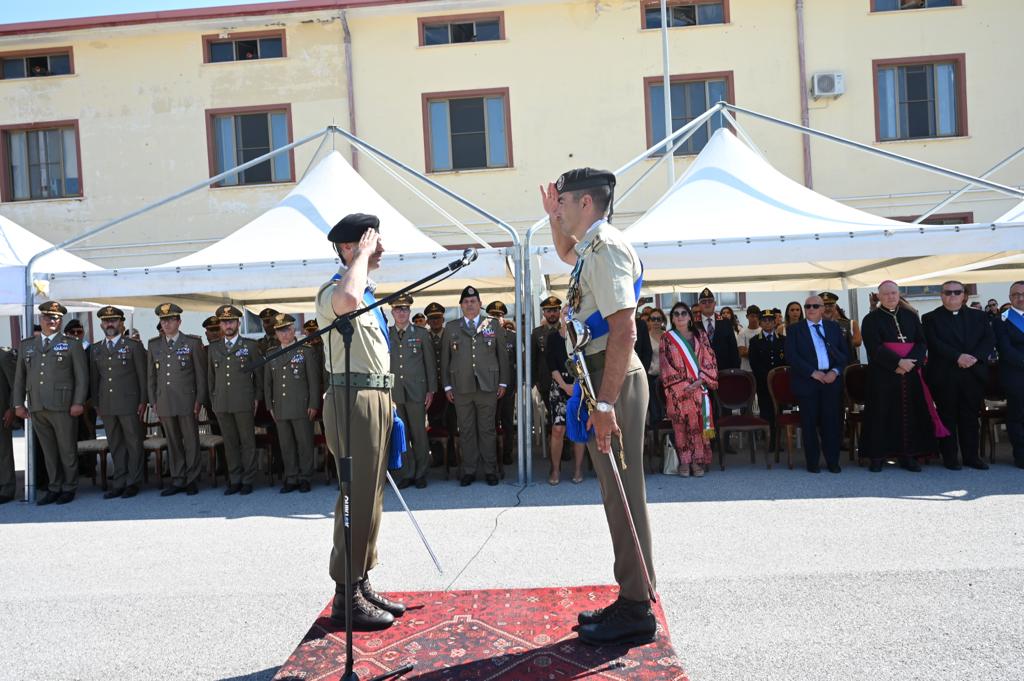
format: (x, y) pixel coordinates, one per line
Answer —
(584, 178)
(706, 294)
(73, 324)
(469, 292)
(351, 227)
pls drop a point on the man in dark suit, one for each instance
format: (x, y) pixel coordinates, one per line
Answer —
(816, 353)
(960, 340)
(720, 332)
(1009, 328)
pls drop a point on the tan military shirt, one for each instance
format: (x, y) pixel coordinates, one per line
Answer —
(369, 345)
(607, 277)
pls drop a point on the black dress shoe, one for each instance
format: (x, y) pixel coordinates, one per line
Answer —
(976, 464)
(630, 623)
(171, 491)
(48, 498)
(288, 487)
(4, 499)
(953, 466)
(595, 616)
(466, 481)
(492, 480)
(303, 486)
(814, 469)
(876, 466)
(421, 483)
(383, 602)
(834, 468)
(234, 488)
(192, 489)
(910, 464)
(365, 615)
(245, 489)
(113, 494)
(130, 491)
(65, 498)
(405, 483)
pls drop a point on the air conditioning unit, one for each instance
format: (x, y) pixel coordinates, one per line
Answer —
(827, 84)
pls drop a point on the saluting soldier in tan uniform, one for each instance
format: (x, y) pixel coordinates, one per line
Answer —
(475, 371)
(412, 363)
(507, 403)
(53, 371)
(8, 360)
(117, 373)
(291, 387)
(177, 387)
(356, 239)
(234, 394)
(603, 294)
(269, 340)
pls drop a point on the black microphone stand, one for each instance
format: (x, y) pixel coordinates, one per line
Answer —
(343, 325)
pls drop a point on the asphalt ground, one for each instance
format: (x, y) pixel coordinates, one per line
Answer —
(763, 574)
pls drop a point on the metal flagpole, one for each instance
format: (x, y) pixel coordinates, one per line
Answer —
(667, 91)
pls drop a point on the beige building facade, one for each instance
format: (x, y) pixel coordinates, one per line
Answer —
(100, 116)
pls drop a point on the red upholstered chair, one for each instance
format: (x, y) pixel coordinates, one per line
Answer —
(783, 397)
(991, 414)
(855, 387)
(736, 391)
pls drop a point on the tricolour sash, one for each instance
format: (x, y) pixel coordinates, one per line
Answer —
(1015, 319)
(689, 356)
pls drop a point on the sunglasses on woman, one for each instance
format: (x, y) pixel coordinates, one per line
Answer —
(680, 313)
(657, 320)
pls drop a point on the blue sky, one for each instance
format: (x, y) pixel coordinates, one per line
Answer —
(15, 12)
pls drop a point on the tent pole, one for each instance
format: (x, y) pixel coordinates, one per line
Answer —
(960, 192)
(666, 92)
(921, 165)
(743, 134)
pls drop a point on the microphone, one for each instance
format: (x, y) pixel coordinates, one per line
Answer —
(468, 256)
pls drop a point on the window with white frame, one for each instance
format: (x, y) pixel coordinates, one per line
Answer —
(919, 100)
(42, 163)
(685, 13)
(468, 132)
(241, 137)
(690, 98)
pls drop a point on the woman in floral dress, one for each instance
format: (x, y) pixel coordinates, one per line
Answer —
(688, 372)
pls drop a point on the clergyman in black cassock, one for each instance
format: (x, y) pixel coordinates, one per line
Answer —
(959, 341)
(897, 423)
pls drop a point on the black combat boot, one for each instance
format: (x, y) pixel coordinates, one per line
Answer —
(365, 615)
(629, 623)
(383, 602)
(595, 616)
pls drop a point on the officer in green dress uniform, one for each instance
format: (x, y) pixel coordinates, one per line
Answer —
(603, 294)
(507, 403)
(8, 365)
(412, 363)
(475, 374)
(551, 310)
(317, 346)
(211, 326)
(234, 394)
(291, 387)
(54, 374)
(442, 413)
(177, 387)
(356, 239)
(117, 373)
(269, 339)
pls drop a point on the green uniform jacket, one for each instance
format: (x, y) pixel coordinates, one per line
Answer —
(474, 361)
(291, 383)
(54, 379)
(118, 377)
(232, 388)
(177, 376)
(8, 367)
(413, 364)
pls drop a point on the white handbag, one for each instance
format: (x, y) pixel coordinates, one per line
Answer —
(670, 464)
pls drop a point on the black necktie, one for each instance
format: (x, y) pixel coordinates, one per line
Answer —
(46, 344)
(110, 345)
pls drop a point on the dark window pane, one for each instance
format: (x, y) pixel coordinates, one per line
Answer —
(222, 52)
(463, 33)
(14, 68)
(60, 64)
(254, 132)
(886, 5)
(488, 30)
(246, 49)
(270, 48)
(435, 35)
(919, 115)
(940, 3)
(38, 66)
(683, 15)
(258, 173)
(469, 151)
(710, 14)
(467, 115)
(917, 82)
(652, 17)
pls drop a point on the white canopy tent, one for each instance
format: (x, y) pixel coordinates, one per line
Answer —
(734, 221)
(17, 246)
(283, 255)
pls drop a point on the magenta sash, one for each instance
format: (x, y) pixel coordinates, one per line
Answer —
(902, 350)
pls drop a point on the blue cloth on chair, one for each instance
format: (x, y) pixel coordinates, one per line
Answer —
(398, 441)
(577, 418)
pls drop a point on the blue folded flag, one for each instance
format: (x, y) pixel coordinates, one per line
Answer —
(398, 441)
(576, 416)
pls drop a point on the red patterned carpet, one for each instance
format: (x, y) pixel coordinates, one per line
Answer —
(495, 634)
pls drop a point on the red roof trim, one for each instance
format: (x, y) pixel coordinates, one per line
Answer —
(58, 25)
